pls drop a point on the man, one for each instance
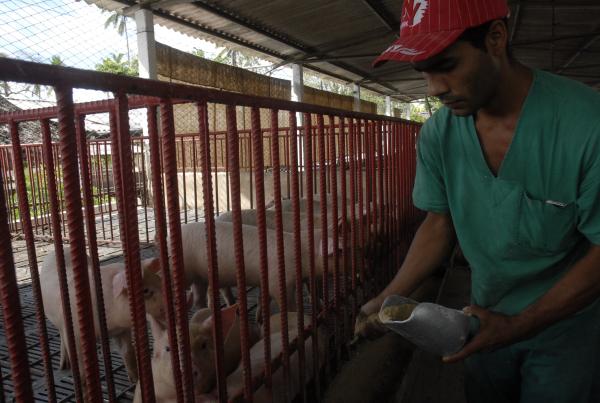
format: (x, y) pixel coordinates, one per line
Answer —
(511, 165)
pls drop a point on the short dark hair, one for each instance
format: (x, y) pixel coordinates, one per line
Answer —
(476, 36)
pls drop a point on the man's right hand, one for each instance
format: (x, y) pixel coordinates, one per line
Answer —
(367, 323)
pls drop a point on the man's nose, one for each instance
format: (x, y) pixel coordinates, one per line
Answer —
(436, 85)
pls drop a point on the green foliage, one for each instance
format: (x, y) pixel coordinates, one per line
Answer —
(198, 52)
(117, 65)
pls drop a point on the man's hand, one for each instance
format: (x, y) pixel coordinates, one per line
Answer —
(495, 330)
(367, 323)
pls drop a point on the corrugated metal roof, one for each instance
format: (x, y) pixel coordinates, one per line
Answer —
(342, 37)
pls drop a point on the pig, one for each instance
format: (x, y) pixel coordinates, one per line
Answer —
(250, 217)
(116, 305)
(202, 353)
(196, 267)
(235, 381)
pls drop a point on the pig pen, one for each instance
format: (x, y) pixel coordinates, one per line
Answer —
(111, 198)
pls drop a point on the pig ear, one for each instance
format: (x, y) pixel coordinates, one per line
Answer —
(229, 315)
(152, 265)
(155, 327)
(119, 283)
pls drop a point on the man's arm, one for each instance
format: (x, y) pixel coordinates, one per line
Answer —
(432, 243)
(579, 287)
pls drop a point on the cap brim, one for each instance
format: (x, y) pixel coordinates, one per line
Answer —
(416, 48)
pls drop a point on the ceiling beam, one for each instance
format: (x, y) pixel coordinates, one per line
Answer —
(575, 55)
(388, 20)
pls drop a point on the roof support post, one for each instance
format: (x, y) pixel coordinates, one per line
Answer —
(144, 22)
(356, 93)
(388, 105)
(298, 96)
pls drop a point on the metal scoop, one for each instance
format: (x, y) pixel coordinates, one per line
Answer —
(431, 327)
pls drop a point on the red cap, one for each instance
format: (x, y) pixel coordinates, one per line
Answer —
(430, 26)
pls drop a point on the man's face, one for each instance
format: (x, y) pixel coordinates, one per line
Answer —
(463, 77)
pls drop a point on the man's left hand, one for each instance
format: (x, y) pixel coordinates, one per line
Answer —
(495, 330)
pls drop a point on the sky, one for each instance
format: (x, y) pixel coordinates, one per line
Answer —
(36, 30)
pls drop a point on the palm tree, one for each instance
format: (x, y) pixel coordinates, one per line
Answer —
(119, 21)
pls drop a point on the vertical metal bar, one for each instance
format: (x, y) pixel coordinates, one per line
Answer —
(258, 154)
(360, 137)
(11, 312)
(279, 237)
(60, 258)
(211, 247)
(144, 186)
(93, 246)
(161, 231)
(238, 242)
(170, 172)
(38, 174)
(343, 212)
(334, 213)
(101, 190)
(194, 165)
(287, 160)
(353, 218)
(184, 174)
(124, 182)
(227, 186)
(31, 254)
(314, 298)
(323, 204)
(216, 169)
(110, 198)
(297, 244)
(72, 196)
(249, 148)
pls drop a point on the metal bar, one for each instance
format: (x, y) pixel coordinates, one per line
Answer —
(169, 154)
(194, 167)
(160, 225)
(211, 252)
(353, 218)
(72, 197)
(90, 225)
(258, 154)
(124, 182)
(183, 173)
(314, 296)
(238, 242)
(323, 205)
(294, 152)
(144, 187)
(11, 313)
(279, 238)
(343, 211)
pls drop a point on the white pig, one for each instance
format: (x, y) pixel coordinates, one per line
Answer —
(196, 265)
(116, 305)
(235, 381)
(202, 351)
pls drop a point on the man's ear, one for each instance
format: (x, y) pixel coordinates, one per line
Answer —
(496, 39)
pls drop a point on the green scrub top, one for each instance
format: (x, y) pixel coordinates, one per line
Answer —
(519, 230)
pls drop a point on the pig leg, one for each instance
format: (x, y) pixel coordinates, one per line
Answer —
(125, 347)
(64, 355)
(199, 290)
(227, 295)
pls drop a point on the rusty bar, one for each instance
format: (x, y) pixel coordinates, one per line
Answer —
(60, 259)
(72, 197)
(249, 141)
(160, 225)
(183, 174)
(90, 225)
(258, 154)
(238, 242)
(144, 188)
(40, 216)
(169, 154)
(11, 312)
(211, 252)
(279, 237)
(227, 185)
(353, 241)
(343, 212)
(100, 184)
(334, 211)
(314, 296)
(287, 161)
(194, 169)
(297, 245)
(130, 241)
(323, 204)
(216, 167)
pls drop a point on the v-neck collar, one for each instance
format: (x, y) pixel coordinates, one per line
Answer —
(475, 138)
